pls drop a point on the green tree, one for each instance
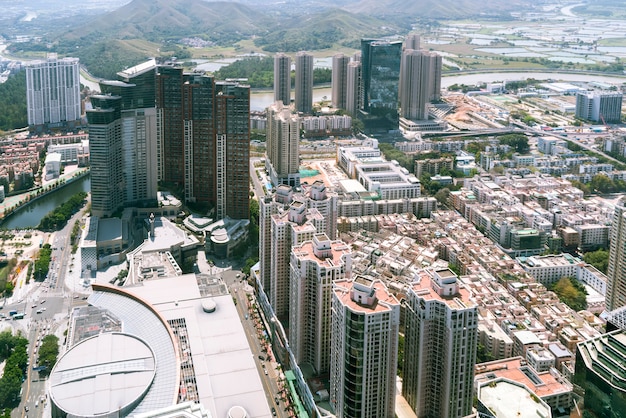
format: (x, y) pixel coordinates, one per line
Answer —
(571, 292)
(48, 353)
(599, 259)
(13, 104)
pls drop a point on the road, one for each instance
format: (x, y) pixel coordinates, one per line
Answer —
(256, 183)
(45, 307)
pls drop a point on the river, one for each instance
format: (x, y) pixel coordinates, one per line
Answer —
(30, 216)
(259, 100)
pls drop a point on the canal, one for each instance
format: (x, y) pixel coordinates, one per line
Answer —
(30, 216)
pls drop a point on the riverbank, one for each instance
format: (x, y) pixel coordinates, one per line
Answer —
(14, 204)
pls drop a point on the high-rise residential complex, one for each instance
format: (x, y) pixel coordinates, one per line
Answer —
(282, 144)
(354, 87)
(288, 218)
(105, 147)
(616, 272)
(136, 86)
(364, 348)
(204, 134)
(599, 107)
(169, 96)
(289, 228)
(380, 73)
(282, 78)
(339, 81)
(420, 83)
(440, 346)
(304, 82)
(232, 156)
(53, 93)
(315, 264)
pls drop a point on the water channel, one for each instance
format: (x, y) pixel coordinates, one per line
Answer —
(30, 215)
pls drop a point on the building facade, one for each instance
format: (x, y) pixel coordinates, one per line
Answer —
(282, 145)
(616, 271)
(420, 83)
(204, 140)
(339, 81)
(364, 351)
(105, 144)
(315, 265)
(599, 107)
(304, 82)
(354, 87)
(440, 346)
(136, 86)
(53, 93)
(381, 74)
(282, 78)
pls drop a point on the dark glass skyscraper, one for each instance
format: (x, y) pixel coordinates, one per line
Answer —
(381, 74)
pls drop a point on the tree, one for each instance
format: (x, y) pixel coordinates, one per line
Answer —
(571, 292)
(48, 353)
(442, 196)
(599, 259)
(518, 141)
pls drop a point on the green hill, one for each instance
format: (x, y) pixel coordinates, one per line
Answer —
(325, 30)
(164, 19)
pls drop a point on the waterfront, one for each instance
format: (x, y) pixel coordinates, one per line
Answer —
(30, 215)
(259, 100)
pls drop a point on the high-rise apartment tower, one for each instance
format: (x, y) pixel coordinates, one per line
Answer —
(283, 151)
(315, 264)
(339, 81)
(616, 272)
(304, 82)
(420, 83)
(364, 348)
(282, 78)
(53, 93)
(440, 346)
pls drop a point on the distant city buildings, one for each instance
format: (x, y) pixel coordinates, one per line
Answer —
(599, 107)
(282, 78)
(304, 82)
(339, 81)
(53, 93)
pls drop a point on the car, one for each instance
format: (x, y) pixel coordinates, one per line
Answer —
(39, 311)
(265, 372)
(42, 302)
(35, 306)
(261, 358)
(273, 411)
(43, 309)
(25, 408)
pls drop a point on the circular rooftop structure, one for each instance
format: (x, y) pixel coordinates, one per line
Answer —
(209, 305)
(237, 412)
(105, 375)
